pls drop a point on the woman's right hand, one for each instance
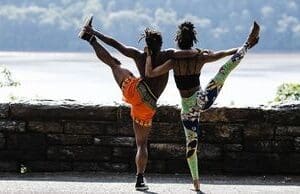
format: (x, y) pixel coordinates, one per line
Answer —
(147, 51)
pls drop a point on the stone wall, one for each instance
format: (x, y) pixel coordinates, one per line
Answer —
(52, 136)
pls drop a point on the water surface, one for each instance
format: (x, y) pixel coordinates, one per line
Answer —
(82, 77)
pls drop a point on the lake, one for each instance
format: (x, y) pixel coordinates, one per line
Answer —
(82, 77)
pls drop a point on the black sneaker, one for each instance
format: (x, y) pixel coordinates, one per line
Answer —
(141, 183)
(85, 36)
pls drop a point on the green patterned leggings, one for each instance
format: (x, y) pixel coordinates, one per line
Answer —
(199, 102)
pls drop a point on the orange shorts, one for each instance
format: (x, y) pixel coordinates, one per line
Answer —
(142, 100)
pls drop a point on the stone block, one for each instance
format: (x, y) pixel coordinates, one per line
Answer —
(12, 126)
(269, 146)
(221, 133)
(79, 153)
(123, 114)
(167, 133)
(68, 139)
(261, 131)
(177, 166)
(51, 110)
(101, 166)
(233, 147)
(119, 167)
(114, 141)
(232, 115)
(289, 163)
(284, 117)
(4, 110)
(210, 166)
(279, 137)
(166, 151)
(15, 155)
(26, 141)
(288, 131)
(252, 163)
(2, 141)
(209, 151)
(120, 129)
(167, 114)
(8, 166)
(48, 166)
(88, 166)
(297, 144)
(123, 152)
(90, 128)
(156, 166)
(45, 127)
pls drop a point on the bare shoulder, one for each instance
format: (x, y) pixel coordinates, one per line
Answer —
(204, 52)
(168, 51)
(202, 55)
(166, 54)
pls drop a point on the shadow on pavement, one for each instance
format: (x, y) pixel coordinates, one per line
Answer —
(99, 177)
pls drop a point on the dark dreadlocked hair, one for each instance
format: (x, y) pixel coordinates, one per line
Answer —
(153, 40)
(186, 35)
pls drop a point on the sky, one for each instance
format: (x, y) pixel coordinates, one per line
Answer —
(53, 25)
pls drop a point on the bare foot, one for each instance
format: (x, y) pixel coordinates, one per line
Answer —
(196, 184)
(253, 36)
(85, 35)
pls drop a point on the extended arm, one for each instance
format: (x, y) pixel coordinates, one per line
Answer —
(214, 56)
(162, 69)
(125, 50)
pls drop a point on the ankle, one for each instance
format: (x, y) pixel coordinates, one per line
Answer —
(246, 45)
(139, 175)
(92, 39)
(196, 184)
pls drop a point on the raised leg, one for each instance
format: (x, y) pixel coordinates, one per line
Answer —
(119, 73)
(207, 97)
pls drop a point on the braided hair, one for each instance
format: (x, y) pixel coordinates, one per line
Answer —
(153, 40)
(186, 35)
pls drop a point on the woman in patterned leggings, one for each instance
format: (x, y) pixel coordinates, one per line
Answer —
(187, 72)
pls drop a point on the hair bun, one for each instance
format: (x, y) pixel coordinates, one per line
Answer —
(185, 28)
(186, 35)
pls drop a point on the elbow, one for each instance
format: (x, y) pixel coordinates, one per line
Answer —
(220, 56)
(149, 74)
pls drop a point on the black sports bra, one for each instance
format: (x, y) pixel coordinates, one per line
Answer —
(186, 82)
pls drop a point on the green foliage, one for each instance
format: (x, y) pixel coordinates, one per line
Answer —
(6, 79)
(288, 92)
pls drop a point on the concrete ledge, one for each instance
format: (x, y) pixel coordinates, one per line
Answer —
(67, 136)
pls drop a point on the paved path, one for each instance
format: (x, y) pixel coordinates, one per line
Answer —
(92, 183)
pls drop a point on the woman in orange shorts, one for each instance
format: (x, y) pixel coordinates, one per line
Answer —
(140, 93)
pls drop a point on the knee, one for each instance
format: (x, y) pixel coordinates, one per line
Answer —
(141, 145)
